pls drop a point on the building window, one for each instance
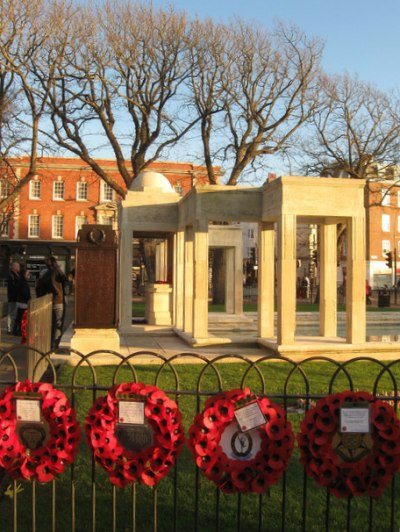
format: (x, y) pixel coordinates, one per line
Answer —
(250, 233)
(106, 220)
(58, 190)
(107, 192)
(81, 191)
(4, 225)
(33, 226)
(386, 223)
(385, 197)
(35, 189)
(385, 246)
(58, 226)
(5, 188)
(79, 221)
(178, 188)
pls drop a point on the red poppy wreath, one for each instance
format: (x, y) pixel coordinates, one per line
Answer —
(135, 433)
(236, 460)
(39, 433)
(354, 463)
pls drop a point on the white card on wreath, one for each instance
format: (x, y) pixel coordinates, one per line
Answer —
(249, 416)
(131, 412)
(28, 410)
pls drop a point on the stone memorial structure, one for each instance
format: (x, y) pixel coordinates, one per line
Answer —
(151, 207)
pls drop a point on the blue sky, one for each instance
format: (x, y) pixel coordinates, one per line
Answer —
(361, 37)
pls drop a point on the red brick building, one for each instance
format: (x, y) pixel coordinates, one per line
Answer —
(382, 202)
(64, 194)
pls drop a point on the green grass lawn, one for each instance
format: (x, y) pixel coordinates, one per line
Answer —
(191, 494)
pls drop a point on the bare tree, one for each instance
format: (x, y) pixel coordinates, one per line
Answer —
(355, 133)
(253, 91)
(121, 86)
(25, 30)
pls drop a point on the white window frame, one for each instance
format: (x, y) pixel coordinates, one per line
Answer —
(80, 219)
(5, 225)
(33, 195)
(106, 219)
(386, 223)
(5, 188)
(33, 228)
(385, 247)
(58, 195)
(106, 190)
(55, 233)
(79, 186)
(385, 197)
(178, 188)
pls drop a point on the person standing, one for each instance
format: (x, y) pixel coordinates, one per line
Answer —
(23, 296)
(12, 294)
(52, 280)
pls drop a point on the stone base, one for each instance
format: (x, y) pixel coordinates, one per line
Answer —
(158, 304)
(87, 340)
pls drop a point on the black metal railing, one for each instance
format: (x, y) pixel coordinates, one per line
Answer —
(84, 499)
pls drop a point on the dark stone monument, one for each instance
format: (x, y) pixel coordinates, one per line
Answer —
(96, 278)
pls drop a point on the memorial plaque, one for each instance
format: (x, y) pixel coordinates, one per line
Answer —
(134, 437)
(32, 429)
(96, 278)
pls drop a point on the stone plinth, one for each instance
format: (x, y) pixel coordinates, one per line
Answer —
(87, 340)
(158, 304)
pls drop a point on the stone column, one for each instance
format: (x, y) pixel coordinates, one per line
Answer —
(125, 280)
(286, 273)
(200, 282)
(234, 278)
(266, 279)
(328, 280)
(188, 282)
(178, 279)
(355, 281)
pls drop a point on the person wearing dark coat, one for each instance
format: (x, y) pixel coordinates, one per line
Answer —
(23, 296)
(12, 294)
(52, 280)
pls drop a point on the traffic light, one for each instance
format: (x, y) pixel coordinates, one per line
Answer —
(389, 259)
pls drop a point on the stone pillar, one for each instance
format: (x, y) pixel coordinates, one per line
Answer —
(161, 261)
(266, 279)
(188, 282)
(328, 280)
(125, 281)
(178, 279)
(234, 280)
(200, 283)
(355, 281)
(286, 273)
